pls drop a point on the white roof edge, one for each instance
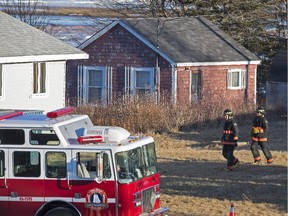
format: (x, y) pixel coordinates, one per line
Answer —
(216, 63)
(128, 28)
(24, 59)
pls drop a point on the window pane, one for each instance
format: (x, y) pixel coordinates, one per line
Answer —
(95, 78)
(94, 95)
(150, 159)
(87, 165)
(43, 137)
(56, 165)
(130, 165)
(2, 164)
(26, 164)
(12, 137)
(195, 82)
(43, 78)
(143, 79)
(39, 78)
(235, 79)
(35, 78)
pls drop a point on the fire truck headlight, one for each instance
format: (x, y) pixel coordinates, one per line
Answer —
(137, 203)
(157, 195)
(137, 199)
(157, 192)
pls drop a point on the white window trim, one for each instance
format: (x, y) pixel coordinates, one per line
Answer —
(133, 71)
(242, 79)
(39, 95)
(2, 81)
(86, 82)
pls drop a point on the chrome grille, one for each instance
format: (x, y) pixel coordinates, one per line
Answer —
(148, 200)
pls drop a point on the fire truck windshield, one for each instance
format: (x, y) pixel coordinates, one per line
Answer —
(136, 163)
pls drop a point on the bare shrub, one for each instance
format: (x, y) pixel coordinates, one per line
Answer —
(145, 114)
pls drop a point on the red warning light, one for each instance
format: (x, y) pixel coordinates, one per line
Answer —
(59, 112)
(10, 115)
(90, 139)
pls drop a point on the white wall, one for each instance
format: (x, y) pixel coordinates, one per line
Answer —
(17, 87)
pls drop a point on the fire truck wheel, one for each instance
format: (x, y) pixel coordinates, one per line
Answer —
(61, 211)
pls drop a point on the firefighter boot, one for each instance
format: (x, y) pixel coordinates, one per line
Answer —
(269, 161)
(228, 168)
(236, 162)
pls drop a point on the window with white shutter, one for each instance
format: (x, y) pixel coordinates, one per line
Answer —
(236, 79)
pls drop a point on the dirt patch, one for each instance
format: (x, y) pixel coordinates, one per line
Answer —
(194, 182)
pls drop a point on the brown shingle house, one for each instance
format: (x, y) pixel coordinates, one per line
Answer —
(186, 58)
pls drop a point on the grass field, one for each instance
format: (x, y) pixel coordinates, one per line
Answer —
(194, 182)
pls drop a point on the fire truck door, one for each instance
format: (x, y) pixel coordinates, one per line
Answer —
(93, 190)
(26, 179)
(58, 175)
(3, 182)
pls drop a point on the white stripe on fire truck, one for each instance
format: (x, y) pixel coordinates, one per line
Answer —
(3, 198)
(47, 199)
(26, 199)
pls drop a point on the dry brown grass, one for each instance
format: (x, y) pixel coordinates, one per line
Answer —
(194, 183)
(96, 12)
(143, 115)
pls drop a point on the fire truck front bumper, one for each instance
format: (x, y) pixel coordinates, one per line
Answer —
(159, 211)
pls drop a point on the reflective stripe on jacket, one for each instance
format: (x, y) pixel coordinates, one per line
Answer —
(230, 133)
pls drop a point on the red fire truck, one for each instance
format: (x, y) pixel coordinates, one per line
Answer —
(59, 163)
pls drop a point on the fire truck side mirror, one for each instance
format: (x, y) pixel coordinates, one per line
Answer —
(99, 170)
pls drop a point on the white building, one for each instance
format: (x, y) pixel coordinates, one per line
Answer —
(32, 66)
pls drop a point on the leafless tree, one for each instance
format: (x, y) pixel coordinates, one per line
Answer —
(32, 12)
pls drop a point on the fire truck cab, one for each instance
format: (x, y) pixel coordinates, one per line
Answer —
(59, 163)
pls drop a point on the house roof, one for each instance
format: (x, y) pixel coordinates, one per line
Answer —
(21, 43)
(185, 41)
(278, 71)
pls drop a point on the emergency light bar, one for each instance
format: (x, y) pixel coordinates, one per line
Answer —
(109, 134)
(59, 112)
(10, 115)
(90, 139)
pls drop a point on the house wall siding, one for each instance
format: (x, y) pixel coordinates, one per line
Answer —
(214, 84)
(18, 92)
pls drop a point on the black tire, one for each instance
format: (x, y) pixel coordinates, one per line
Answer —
(61, 211)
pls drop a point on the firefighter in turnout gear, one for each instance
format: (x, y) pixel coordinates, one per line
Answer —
(229, 140)
(259, 136)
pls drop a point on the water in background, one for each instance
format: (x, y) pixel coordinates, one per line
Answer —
(74, 29)
(70, 3)
(80, 3)
(76, 20)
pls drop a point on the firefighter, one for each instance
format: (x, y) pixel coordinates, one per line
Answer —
(229, 140)
(259, 136)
